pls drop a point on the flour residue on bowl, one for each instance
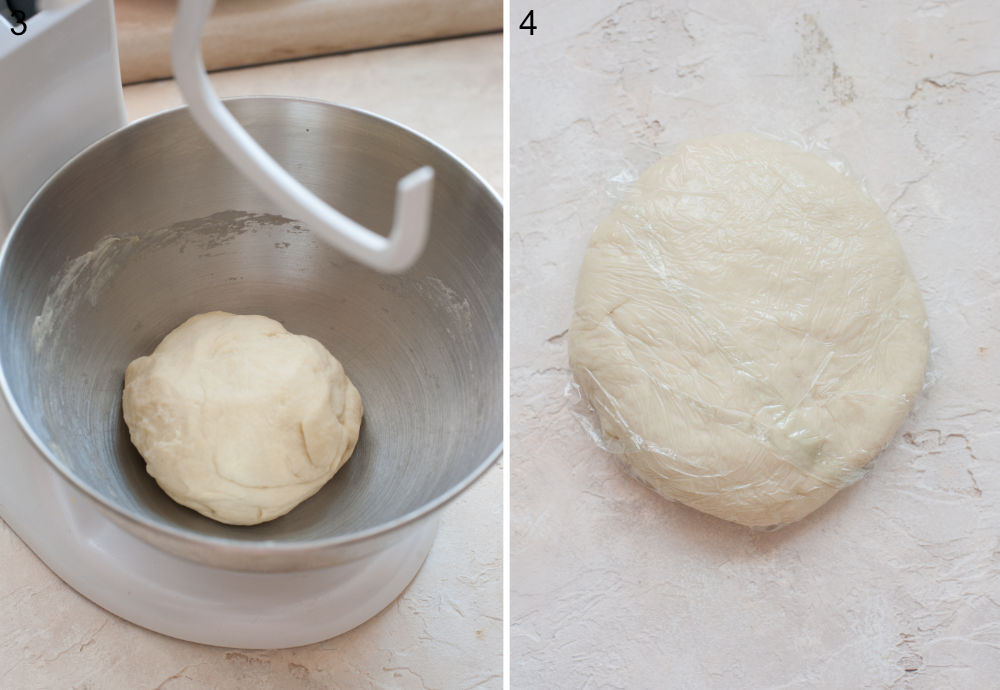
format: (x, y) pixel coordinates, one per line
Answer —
(456, 307)
(84, 278)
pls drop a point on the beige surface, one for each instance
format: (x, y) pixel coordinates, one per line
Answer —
(444, 631)
(893, 584)
(253, 32)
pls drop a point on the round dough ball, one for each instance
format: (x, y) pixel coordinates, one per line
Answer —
(239, 419)
(747, 329)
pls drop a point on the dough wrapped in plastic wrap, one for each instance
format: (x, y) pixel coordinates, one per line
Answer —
(747, 329)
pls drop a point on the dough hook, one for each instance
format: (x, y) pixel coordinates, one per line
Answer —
(411, 217)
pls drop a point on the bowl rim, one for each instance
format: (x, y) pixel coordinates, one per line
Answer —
(247, 547)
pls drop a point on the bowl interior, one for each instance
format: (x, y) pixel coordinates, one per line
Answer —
(152, 225)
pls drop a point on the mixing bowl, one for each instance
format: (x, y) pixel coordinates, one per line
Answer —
(152, 225)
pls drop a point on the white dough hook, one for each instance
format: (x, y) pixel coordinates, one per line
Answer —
(411, 217)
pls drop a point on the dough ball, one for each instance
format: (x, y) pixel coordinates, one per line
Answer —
(239, 419)
(747, 329)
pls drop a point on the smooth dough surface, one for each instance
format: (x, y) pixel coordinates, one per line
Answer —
(747, 329)
(239, 419)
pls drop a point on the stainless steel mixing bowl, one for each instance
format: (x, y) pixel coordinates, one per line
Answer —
(189, 234)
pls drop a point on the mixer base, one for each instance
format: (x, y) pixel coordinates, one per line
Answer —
(179, 598)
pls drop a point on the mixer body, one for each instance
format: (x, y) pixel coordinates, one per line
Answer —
(61, 91)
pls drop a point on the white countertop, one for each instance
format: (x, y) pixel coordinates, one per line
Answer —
(444, 631)
(895, 583)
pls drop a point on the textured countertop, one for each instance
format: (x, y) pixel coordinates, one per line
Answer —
(895, 583)
(444, 631)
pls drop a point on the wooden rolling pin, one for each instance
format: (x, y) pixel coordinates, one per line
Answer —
(252, 32)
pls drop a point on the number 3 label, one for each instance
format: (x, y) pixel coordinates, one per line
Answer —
(19, 18)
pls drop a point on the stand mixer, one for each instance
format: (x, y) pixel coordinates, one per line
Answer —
(68, 49)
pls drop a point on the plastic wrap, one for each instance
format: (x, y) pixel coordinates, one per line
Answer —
(747, 330)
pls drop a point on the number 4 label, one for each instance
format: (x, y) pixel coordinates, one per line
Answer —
(528, 23)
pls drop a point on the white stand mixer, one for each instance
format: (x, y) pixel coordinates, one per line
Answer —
(61, 92)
